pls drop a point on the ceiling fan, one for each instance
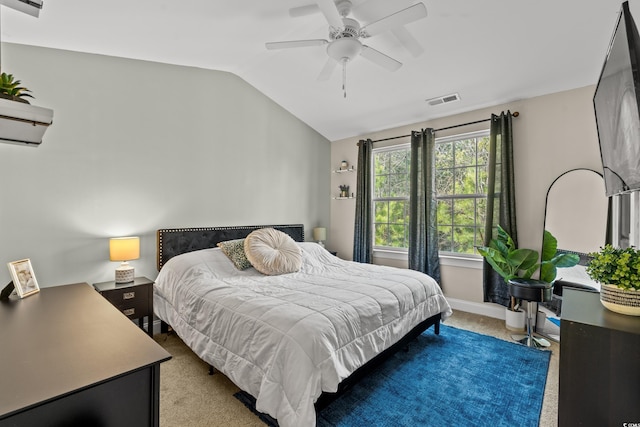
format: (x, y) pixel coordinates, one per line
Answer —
(344, 43)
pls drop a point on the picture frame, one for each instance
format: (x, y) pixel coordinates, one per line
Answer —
(24, 279)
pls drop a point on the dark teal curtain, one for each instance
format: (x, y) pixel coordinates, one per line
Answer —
(501, 201)
(423, 229)
(363, 230)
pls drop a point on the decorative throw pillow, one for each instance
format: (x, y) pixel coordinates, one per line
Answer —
(234, 250)
(272, 252)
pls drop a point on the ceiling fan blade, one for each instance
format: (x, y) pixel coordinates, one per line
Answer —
(408, 41)
(380, 58)
(404, 16)
(303, 10)
(295, 43)
(330, 11)
(327, 70)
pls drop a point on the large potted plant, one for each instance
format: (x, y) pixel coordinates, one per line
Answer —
(511, 262)
(618, 272)
(10, 89)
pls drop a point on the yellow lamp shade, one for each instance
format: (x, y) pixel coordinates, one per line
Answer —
(320, 234)
(124, 248)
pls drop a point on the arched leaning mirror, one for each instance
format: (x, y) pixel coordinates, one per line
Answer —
(576, 213)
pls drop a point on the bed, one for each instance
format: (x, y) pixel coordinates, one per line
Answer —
(292, 341)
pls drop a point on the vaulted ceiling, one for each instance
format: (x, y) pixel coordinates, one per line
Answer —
(487, 51)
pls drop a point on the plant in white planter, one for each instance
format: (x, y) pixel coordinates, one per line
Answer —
(618, 272)
(10, 89)
(510, 262)
(20, 122)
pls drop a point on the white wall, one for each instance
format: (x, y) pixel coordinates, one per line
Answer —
(554, 133)
(136, 146)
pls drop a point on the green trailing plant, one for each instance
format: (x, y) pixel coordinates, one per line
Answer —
(510, 262)
(10, 88)
(615, 266)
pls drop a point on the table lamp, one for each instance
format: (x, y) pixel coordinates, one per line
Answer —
(320, 235)
(124, 249)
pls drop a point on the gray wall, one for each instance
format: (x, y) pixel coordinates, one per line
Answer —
(136, 146)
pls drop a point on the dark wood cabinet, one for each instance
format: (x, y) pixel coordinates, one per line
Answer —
(69, 358)
(134, 299)
(599, 363)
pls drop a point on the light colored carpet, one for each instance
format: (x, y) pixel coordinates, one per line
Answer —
(190, 397)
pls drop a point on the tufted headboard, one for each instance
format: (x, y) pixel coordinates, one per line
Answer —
(176, 241)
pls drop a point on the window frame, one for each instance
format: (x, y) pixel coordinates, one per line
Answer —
(467, 135)
(390, 251)
(449, 258)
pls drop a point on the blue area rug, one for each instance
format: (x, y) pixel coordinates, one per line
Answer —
(456, 378)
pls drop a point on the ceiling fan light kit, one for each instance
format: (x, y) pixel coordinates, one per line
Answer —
(344, 34)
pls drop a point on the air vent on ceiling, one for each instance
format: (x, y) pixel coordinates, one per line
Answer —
(443, 99)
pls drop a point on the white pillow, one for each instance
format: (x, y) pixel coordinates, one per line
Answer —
(272, 252)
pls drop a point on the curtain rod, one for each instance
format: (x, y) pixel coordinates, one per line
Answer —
(515, 114)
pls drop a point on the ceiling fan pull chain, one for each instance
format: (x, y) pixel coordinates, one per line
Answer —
(344, 76)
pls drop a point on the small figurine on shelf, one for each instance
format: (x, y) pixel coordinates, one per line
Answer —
(344, 191)
(344, 165)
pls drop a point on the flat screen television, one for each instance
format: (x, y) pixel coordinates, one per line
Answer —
(616, 108)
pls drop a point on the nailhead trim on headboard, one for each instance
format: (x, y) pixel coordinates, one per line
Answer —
(175, 241)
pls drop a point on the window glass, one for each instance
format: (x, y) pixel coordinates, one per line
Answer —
(461, 185)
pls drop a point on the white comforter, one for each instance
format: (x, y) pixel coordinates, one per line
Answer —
(286, 339)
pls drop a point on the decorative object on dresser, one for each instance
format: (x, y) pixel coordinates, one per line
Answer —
(24, 279)
(124, 249)
(7, 291)
(618, 272)
(320, 235)
(134, 299)
(69, 358)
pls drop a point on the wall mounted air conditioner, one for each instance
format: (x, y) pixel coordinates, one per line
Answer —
(22, 122)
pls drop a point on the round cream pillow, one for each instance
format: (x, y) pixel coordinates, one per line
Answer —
(272, 252)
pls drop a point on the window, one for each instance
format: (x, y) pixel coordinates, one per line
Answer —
(461, 191)
(391, 197)
(461, 180)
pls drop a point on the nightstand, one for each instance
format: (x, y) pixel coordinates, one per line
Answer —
(133, 299)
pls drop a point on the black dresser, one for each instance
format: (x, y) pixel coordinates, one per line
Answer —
(69, 358)
(599, 363)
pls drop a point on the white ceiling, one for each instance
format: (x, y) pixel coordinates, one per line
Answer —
(488, 51)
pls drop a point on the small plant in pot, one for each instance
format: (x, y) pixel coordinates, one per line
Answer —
(10, 89)
(510, 262)
(618, 272)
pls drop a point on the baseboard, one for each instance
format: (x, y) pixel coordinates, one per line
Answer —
(484, 309)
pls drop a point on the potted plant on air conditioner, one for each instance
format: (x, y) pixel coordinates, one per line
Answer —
(510, 262)
(11, 89)
(618, 272)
